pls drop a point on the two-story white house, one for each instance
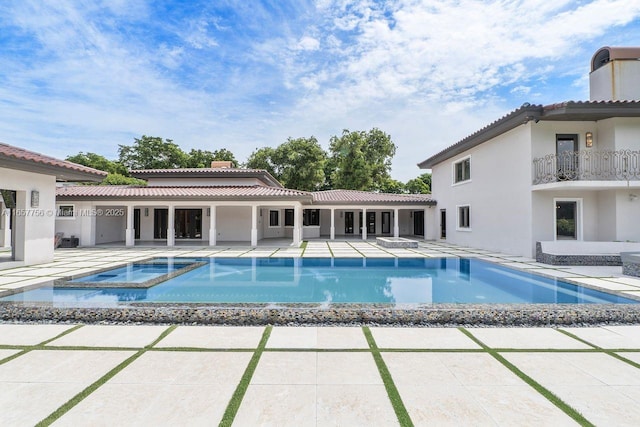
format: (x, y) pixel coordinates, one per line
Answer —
(568, 171)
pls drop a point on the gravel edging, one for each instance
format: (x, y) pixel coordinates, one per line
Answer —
(433, 315)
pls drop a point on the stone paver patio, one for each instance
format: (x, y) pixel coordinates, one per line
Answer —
(216, 375)
(66, 374)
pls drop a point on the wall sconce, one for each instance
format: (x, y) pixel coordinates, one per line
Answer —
(588, 137)
(35, 198)
(146, 211)
(632, 197)
(208, 211)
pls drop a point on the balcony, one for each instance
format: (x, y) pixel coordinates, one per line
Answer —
(620, 165)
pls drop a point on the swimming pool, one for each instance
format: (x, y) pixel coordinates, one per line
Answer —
(340, 280)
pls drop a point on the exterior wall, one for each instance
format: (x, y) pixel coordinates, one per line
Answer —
(607, 216)
(543, 136)
(234, 223)
(627, 216)
(627, 133)
(544, 213)
(217, 182)
(617, 80)
(499, 194)
(33, 233)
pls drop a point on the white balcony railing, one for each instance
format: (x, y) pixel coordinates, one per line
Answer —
(620, 165)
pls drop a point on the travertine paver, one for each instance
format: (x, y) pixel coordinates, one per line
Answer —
(278, 405)
(35, 384)
(422, 338)
(111, 336)
(213, 337)
(164, 388)
(341, 338)
(353, 405)
(6, 353)
(284, 337)
(609, 336)
(525, 338)
(467, 389)
(595, 384)
(16, 334)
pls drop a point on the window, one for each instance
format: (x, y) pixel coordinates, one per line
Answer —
(311, 217)
(288, 217)
(463, 217)
(274, 218)
(65, 211)
(462, 170)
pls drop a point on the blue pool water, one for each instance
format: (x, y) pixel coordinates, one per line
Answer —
(350, 280)
(132, 273)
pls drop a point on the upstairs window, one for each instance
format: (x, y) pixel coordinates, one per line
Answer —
(65, 211)
(462, 170)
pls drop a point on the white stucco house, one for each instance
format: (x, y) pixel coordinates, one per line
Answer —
(563, 172)
(221, 204)
(27, 203)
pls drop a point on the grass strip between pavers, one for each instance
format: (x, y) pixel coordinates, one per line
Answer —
(103, 379)
(610, 352)
(234, 404)
(546, 393)
(330, 251)
(389, 385)
(27, 349)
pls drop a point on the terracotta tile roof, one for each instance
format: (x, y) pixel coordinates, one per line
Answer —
(195, 192)
(366, 197)
(9, 152)
(195, 170)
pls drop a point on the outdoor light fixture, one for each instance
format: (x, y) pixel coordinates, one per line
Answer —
(588, 137)
(632, 197)
(146, 211)
(35, 198)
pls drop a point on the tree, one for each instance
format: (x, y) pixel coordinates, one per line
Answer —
(203, 158)
(362, 159)
(299, 163)
(99, 162)
(392, 186)
(262, 159)
(152, 152)
(118, 179)
(419, 185)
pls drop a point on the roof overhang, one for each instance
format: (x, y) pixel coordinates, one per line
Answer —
(262, 175)
(61, 174)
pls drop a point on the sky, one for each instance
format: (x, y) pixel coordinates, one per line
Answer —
(91, 75)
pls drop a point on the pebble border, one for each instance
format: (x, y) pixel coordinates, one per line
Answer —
(244, 315)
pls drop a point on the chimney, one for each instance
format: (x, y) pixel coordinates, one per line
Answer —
(615, 74)
(222, 164)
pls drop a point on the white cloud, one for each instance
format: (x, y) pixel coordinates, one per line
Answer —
(308, 43)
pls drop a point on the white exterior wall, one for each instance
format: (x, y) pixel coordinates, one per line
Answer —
(34, 233)
(234, 223)
(499, 194)
(627, 216)
(617, 80)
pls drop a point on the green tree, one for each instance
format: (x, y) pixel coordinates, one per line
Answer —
(152, 152)
(392, 186)
(299, 163)
(362, 159)
(203, 158)
(419, 185)
(99, 162)
(261, 158)
(118, 179)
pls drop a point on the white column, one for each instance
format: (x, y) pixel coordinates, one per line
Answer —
(396, 227)
(5, 231)
(212, 225)
(364, 224)
(297, 231)
(254, 225)
(129, 232)
(171, 227)
(426, 217)
(333, 224)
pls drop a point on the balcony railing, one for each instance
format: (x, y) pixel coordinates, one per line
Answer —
(620, 165)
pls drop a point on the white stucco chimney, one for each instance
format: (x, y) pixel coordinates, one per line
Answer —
(615, 74)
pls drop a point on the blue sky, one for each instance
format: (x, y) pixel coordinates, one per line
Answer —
(89, 75)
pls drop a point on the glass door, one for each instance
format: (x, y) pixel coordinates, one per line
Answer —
(566, 220)
(348, 223)
(160, 223)
(443, 223)
(371, 223)
(386, 222)
(136, 223)
(418, 223)
(567, 157)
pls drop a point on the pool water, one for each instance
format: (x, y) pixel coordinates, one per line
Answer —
(132, 273)
(339, 280)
